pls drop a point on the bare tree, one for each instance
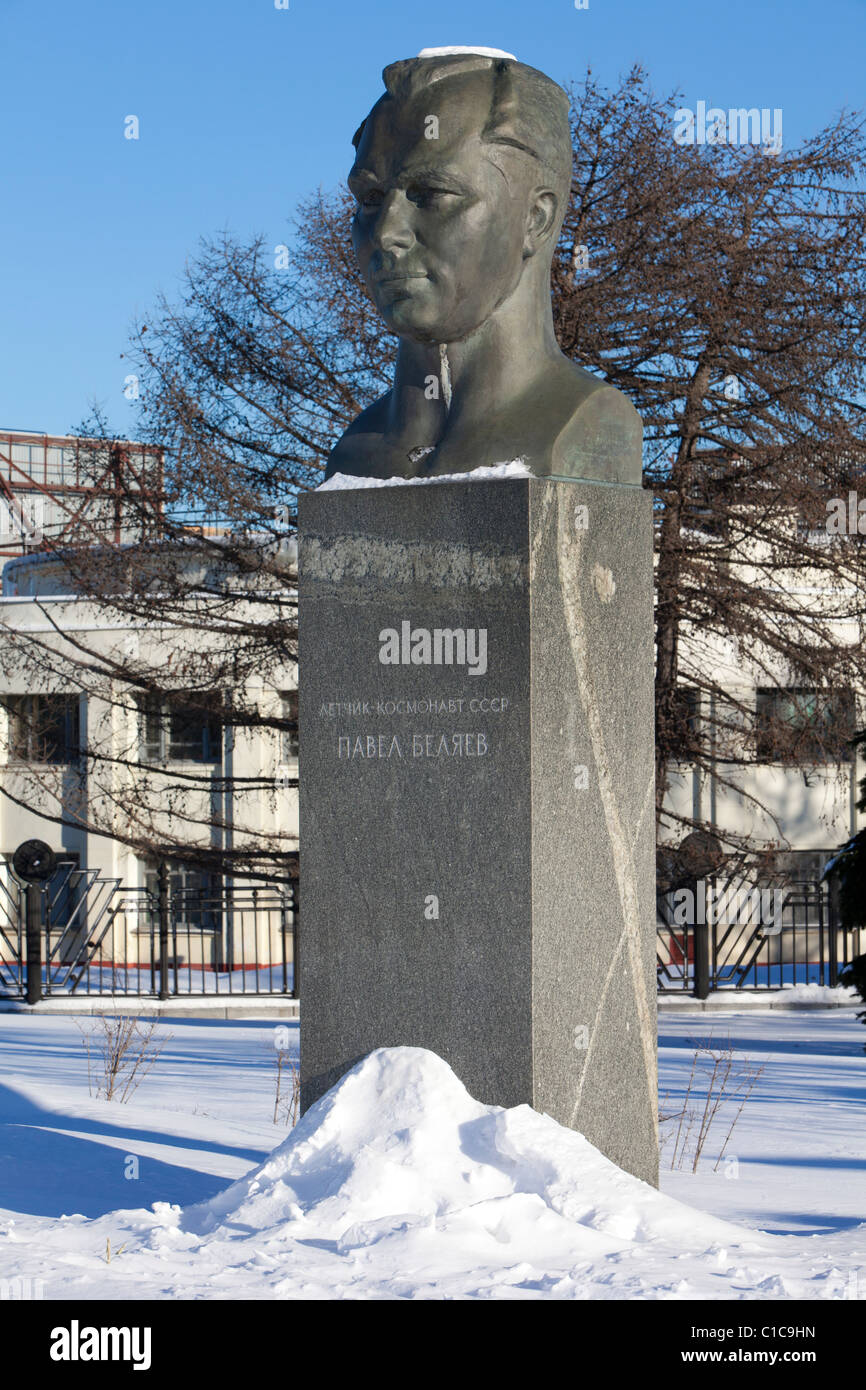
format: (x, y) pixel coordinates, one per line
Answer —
(720, 286)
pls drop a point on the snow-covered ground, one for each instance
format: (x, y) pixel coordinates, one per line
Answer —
(399, 1184)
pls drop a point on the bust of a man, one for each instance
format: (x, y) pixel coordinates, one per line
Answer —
(461, 178)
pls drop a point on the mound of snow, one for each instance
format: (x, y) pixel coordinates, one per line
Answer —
(398, 1184)
(516, 468)
(399, 1145)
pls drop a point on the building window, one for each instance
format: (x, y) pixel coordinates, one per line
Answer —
(687, 710)
(802, 725)
(172, 733)
(43, 728)
(195, 896)
(801, 865)
(289, 731)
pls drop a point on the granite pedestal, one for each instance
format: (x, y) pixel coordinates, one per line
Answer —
(476, 794)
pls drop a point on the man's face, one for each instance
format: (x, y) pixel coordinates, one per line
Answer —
(439, 226)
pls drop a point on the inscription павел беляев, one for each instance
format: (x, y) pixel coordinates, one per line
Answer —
(426, 745)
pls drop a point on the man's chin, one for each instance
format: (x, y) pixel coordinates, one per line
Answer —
(422, 325)
(410, 321)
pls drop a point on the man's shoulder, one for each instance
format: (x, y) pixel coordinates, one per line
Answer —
(361, 443)
(600, 435)
(581, 426)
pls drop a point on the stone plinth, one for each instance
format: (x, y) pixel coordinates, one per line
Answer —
(476, 794)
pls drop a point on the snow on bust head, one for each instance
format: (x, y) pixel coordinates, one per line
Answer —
(485, 52)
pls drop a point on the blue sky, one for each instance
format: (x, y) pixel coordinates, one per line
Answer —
(245, 108)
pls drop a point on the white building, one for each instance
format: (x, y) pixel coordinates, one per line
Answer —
(783, 793)
(77, 744)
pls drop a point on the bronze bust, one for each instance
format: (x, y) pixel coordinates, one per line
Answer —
(461, 178)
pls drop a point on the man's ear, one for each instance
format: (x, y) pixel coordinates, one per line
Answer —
(540, 220)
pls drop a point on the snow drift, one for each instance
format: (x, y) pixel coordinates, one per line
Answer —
(398, 1184)
(399, 1146)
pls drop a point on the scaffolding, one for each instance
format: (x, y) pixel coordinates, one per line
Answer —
(63, 490)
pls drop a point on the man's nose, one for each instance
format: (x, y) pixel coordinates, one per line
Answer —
(393, 227)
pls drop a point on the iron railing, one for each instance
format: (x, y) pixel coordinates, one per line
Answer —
(750, 938)
(93, 936)
(85, 935)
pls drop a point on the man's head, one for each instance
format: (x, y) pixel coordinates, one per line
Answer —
(462, 176)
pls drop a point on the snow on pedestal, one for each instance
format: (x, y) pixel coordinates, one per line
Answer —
(343, 482)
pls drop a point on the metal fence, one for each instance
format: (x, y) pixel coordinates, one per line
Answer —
(92, 936)
(84, 935)
(719, 934)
